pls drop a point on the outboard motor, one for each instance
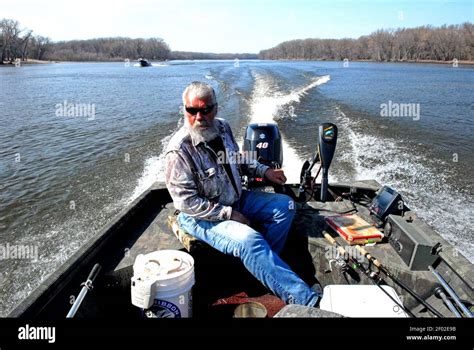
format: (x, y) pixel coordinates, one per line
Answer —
(263, 143)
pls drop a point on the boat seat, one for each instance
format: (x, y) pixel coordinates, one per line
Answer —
(189, 242)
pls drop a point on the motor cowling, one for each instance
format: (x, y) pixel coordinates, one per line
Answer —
(263, 142)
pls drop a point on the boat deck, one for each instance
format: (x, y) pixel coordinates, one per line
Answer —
(214, 270)
(222, 281)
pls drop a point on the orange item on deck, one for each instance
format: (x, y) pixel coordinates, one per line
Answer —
(354, 229)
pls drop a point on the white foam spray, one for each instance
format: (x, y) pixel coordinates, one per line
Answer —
(267, 105)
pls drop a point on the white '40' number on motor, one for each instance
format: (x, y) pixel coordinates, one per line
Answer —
(262, 145)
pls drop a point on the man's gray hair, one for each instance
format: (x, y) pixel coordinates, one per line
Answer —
(199, 90)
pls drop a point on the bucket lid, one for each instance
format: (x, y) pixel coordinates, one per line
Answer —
(163, 264)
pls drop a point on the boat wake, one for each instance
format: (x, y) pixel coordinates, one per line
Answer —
(269, 104)
(154, 171)
(152, 65)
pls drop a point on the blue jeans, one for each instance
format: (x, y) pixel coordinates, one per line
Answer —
(273, 214)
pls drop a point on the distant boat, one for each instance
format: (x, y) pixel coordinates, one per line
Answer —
(144, 62)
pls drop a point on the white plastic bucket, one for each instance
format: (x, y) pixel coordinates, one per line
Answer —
(170, 275)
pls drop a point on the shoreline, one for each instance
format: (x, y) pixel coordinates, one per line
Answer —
(27, 63)
(466, 62)
(460, 62)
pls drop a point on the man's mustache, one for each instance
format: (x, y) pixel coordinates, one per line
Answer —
(201, 123)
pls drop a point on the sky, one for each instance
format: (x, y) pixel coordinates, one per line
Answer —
(236, 26)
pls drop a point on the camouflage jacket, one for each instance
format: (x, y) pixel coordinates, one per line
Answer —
(196, 178)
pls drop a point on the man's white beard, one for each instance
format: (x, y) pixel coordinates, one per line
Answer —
(202, 134)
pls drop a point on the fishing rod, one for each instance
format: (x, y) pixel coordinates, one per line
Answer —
(382, 268)
(439, 293)
(305, 177)
(87, 286)
(451, 292)
(370, 274)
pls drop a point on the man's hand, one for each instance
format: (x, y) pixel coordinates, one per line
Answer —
(276, 175)
(237, 216)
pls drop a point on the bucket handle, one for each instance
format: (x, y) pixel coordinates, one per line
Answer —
(173, 268)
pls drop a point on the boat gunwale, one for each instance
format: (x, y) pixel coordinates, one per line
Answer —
(66, 272)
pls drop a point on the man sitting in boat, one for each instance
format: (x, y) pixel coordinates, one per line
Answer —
(215, 209)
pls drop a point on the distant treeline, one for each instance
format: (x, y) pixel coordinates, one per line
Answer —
(185, 55)
(109, 49)
(443, 43)
(16, 43)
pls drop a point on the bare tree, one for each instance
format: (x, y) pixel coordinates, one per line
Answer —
(37, 47)
(9, 32)
(24, 45)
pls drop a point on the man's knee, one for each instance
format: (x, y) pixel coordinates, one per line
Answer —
(252, 241)
(237, 239)
(285, 204)
(185, 222)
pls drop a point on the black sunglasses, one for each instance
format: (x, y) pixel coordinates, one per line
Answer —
(203, 111)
